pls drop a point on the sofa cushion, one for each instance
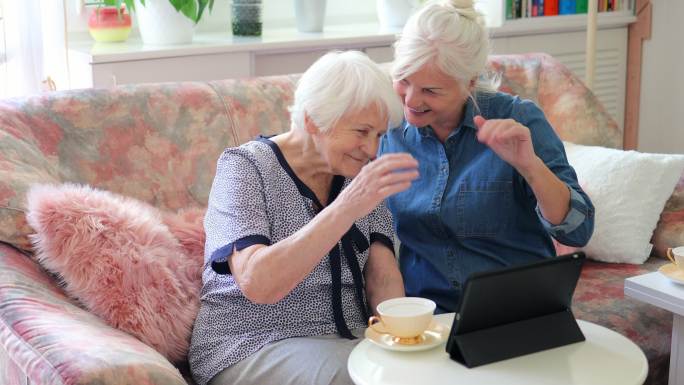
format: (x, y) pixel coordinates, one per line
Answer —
(670, 230)
(257, 106)
(157, 143)
(50, 340)
(120, 260)
(573, 110)
(629, 190)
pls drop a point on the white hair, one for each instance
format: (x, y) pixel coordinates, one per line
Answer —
(450, 34)
(340, 83)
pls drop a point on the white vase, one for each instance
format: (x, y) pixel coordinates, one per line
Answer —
(161, 24)
(310, 15)
(394, 13)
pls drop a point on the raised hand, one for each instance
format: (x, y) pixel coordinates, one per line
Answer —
(387, 175)
(510, 140)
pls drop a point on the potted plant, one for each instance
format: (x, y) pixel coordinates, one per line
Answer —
(310, 15)
(392, 14)
(167, 21)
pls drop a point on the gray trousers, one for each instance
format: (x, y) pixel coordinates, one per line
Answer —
(320, 360)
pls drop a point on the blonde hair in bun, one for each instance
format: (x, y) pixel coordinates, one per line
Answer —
(465, 8)
(450, 34)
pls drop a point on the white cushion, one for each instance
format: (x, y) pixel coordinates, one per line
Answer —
(629, 190)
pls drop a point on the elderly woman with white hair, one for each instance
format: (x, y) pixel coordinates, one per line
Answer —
(495, 183)
(299, 242)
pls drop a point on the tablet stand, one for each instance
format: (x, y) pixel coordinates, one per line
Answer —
(514, 339)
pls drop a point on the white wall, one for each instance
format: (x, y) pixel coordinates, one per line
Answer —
(661, 120)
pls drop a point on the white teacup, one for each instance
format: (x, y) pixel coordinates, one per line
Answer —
(405, 318)
(676, 255)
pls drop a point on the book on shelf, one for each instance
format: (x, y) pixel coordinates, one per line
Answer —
(520, 9)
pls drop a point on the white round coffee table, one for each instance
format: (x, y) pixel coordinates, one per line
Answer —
(605, 358)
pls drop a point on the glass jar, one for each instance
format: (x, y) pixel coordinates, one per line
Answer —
(246, 18)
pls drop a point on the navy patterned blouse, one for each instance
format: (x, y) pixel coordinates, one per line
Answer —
(257, 199)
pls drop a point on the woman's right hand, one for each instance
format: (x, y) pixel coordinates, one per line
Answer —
(385, 176)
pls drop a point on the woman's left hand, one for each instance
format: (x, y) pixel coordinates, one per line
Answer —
(510, 140)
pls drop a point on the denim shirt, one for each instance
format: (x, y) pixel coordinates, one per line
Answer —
(469, 210)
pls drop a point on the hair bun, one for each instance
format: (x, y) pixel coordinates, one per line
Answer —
(465, 8)
(462, 4)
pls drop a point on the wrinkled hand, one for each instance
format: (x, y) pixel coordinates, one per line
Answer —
(385, 176)
(510, 140)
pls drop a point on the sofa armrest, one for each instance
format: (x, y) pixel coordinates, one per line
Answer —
(54, 341)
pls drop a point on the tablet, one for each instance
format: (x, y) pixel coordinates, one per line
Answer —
(518, 293)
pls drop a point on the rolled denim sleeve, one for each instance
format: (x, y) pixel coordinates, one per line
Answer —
(578, 225)
(578, 214)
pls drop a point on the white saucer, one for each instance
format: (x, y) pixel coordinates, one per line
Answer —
(435, 335)
(672, 272)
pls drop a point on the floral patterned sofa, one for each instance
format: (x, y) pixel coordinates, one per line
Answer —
(159, 143)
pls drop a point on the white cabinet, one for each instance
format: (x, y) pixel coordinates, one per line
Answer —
(86, 74)
(218, 56)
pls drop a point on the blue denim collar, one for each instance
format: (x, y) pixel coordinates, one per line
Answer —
(471, 110)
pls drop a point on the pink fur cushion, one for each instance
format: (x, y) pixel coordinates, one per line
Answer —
(125, 261)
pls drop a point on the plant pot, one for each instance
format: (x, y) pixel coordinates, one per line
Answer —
(107, 24)
(161, 24)
(246, 18)
(310, 15)
(394, 13)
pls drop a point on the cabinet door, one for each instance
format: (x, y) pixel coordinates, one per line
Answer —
(380, 54)
(281, 63)
(182, 68)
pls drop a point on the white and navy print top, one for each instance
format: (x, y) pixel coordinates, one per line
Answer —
(256, 198)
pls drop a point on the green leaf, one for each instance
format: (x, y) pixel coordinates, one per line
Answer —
(192, 9)
(189, 9)
(179, 4)
(130, 5)
(202, 5)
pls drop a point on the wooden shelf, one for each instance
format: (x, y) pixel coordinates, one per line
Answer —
(289, 40)
(561, 23)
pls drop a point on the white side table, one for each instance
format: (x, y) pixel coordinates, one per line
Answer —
(655, 289)
(605, 358)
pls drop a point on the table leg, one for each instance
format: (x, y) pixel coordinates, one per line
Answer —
(677, 351)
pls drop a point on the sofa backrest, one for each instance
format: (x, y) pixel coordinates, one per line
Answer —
(159, 142)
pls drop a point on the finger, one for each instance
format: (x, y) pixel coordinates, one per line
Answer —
(502, 133)
(511, 132)
(479, 121)
(390, 164)
(494, 130)
(392, 159)
(397, 177)
(395, 155)
(393, 189)
(485, 132)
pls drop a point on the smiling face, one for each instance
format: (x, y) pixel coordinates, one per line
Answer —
(432, 98)
(352, 142)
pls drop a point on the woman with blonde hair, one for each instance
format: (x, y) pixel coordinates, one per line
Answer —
(299, 241)
(495, 184)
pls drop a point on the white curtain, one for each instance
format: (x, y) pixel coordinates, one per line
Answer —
(34, 45)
